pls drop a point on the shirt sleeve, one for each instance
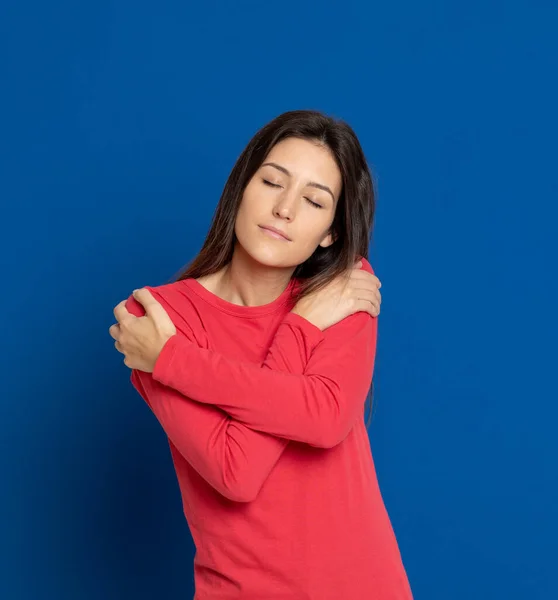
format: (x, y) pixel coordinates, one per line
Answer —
(232, 457)
(318, 406)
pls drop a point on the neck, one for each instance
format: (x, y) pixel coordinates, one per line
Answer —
(246, 282)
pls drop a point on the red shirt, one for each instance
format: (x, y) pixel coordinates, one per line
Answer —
(264, 414)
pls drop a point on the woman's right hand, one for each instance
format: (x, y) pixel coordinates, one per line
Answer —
(342, 297)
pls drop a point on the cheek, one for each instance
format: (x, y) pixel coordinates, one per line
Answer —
(313, 231)
(245, 213)
(308, 230)
(250, 204)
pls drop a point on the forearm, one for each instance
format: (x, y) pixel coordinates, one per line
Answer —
(318, 406)
(231, 457)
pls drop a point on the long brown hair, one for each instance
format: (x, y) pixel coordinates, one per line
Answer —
(354, 215)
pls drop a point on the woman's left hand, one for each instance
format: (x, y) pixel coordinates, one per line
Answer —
(141, 339)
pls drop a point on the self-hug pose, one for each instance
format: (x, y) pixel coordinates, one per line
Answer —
(257, 361)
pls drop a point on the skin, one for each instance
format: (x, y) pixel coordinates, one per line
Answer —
(262, 266)
(295, 190)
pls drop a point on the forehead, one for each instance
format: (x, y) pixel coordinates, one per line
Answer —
(307, 160)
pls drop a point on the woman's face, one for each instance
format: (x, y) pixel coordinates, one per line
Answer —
(295, 191)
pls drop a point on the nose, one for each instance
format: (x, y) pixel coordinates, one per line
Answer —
(285, 208)
(283, 213)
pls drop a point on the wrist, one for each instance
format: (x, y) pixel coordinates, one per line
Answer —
(164, 358)
(304, 312)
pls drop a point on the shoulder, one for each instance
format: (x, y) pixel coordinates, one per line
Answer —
(178, 301)
(366, 266)
(358, 325)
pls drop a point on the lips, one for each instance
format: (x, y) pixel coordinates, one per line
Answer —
(276, 231)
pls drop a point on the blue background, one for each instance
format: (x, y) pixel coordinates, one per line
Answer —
(120, 124)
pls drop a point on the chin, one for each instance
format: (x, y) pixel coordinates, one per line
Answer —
(270, 258)
(266, 254)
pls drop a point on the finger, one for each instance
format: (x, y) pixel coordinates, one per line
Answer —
(366, 276)
(360, 275)
(121, 312)
(114, 331)
(146, 299)
(377, 295)
(374, 297)
(366, 290)
(362, 305)
(370, 297)
(118, 346)
(369, 305)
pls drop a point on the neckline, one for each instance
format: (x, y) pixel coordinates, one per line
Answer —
(237, 309)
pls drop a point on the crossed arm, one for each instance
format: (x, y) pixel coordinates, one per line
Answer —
(231, 420)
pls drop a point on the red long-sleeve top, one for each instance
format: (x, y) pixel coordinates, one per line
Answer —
(264, 415)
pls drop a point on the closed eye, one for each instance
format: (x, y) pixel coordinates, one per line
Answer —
(270, 184)
(313, 203)
(276, 185)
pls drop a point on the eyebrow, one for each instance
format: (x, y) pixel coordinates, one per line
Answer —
(311, 183)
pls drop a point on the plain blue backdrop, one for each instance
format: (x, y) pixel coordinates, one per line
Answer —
(120, 122)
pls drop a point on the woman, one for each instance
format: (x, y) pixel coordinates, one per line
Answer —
(257, 360)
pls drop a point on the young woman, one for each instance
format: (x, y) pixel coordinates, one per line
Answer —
(257, 361)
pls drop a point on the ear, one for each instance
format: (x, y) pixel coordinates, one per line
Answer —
(328, 239)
